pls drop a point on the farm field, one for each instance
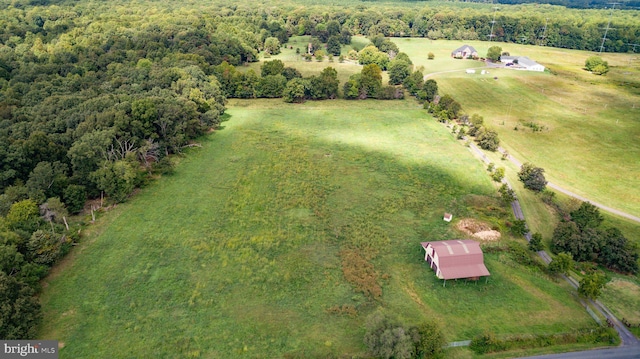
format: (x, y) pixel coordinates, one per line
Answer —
(589, 125)
(241, 252)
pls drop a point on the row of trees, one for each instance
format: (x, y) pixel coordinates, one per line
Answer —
(526, 24)
(580, 236)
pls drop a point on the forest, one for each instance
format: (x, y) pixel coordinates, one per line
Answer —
(95, 96)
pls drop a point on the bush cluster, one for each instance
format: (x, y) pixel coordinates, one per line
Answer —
(489, 343)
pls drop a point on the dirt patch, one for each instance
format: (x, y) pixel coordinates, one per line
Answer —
(477, 229)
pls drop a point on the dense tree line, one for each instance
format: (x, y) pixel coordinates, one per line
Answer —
(526, 24)
(92, 103)
(582, 236)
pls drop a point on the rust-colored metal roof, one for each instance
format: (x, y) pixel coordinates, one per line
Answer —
(459, 258)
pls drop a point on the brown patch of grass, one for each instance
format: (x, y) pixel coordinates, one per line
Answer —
(345, 309)
(360, 273)
(477, 229)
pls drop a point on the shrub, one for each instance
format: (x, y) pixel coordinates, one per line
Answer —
(487, 343)
(388, 339)
(519, 227)
(535, 244)
(596, 65)
(498, 174)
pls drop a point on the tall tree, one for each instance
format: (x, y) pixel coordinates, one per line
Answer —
(414, 82)
(591, 285)
(398, 71)
(333, 45)
(294, 91)
(587, 216)
(561, 263)
(272, 45)
(431, 89)
(494, 53)
(488, 139)
(371, 55)
(532, 177)
(273, 67)
(371, 80)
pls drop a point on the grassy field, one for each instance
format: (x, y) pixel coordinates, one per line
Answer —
(290, 58)
(589, 141)
(241, 253)
(621, 292)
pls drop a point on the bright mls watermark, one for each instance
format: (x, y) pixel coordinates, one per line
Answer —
(32, 349)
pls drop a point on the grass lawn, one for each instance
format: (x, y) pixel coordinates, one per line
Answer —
(240, 253)
(622, 296)
(590, 124)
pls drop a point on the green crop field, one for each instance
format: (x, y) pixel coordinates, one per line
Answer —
(241, 252)
(590, 129)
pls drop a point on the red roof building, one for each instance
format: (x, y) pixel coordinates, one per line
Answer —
(458, 258)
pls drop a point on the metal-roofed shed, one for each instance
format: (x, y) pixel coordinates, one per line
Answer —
(455, 259)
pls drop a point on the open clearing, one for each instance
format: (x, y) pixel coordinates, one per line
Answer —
(589, 141)
(240, 252)
(290, 58)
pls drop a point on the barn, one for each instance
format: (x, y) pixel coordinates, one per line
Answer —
(521, 63)
(455, 259)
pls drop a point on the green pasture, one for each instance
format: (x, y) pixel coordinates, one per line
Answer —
(589, 138)
(238, 254)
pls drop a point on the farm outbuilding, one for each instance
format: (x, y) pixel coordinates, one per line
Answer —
(522, 63)
(455, 259)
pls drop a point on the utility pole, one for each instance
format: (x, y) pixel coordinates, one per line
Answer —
(493, 22)
(606, 30)
(634, 46)
(544, 32)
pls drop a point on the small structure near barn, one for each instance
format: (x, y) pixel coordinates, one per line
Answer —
(455, 259)
(471, 71)
(448, 217)
(464, 52)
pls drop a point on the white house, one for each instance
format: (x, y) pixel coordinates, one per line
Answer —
(471, 71)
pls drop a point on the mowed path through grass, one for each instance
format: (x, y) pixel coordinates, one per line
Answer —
(589, 141)
(240, 253)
